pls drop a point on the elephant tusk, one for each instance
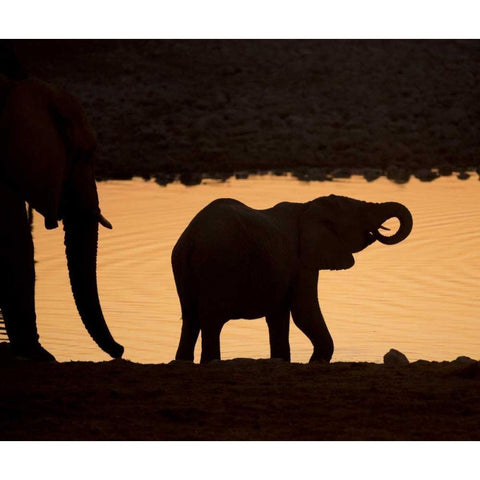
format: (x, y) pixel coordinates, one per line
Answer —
(381, 227)
(103, 221)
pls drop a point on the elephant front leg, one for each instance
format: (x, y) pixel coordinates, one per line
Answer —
(17, 278)
(278, 329)
(188, 339)
(308, 317)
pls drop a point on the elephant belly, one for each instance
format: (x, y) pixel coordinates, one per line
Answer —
(243, 298)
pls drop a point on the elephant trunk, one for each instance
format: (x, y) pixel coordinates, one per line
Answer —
(81, 237)
(387, 210)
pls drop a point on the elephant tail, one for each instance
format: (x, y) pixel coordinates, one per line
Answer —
(183, 273)
(181, 266)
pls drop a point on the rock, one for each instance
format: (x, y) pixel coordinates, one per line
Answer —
(394, 357)
(465, 360)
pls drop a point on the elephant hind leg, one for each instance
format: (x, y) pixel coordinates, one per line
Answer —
(188, 339)
(211, 341)
(278, 328)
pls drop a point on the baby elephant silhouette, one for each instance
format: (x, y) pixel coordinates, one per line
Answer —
(233, 261)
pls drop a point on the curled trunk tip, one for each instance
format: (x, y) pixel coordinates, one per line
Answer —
(399, 211)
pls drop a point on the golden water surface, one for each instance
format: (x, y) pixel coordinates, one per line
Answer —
(420, 296)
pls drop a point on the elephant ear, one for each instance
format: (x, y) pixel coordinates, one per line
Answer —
(321, 247)
(72, 122)
(44, 129)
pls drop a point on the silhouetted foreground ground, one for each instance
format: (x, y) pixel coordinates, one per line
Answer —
(239, 400)
(319, 108)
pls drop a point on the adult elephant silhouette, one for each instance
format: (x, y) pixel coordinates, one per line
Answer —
(236, 262)
(46, 159)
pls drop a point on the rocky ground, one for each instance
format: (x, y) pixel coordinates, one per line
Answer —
(239, 400)
(187, 109)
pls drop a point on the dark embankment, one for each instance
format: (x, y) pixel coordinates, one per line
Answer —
(240, 400)
(183, 109)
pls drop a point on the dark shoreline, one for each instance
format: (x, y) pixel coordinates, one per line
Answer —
(307, 174)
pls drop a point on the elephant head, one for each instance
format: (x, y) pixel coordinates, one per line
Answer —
(47, 149)
(333, 228)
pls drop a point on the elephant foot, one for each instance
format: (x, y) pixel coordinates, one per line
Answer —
(322, 352)
(280, 359)
(319, 361)
(212, 361)
(180, 361)
(181, 357)
(34, 353)
(318, 358)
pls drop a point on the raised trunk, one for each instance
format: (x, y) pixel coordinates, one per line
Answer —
(387, 210)
(81, 236)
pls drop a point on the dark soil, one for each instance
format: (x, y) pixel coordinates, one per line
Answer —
(239, 400)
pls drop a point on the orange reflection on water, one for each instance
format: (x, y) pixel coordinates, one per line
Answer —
(419, 296)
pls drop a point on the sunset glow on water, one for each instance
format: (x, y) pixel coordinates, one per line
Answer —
(420, 296)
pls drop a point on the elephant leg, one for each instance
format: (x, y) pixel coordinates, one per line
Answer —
(188, 339)
(17, 278)
(308, 317)
(211, 341)
(278, 328)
